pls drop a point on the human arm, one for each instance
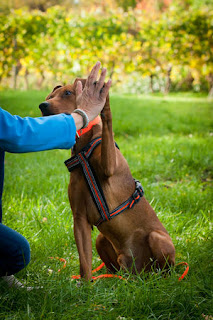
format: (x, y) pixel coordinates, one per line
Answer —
(19, 135)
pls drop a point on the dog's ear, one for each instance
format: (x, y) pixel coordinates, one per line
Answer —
(53, 91)
(56, 88)
(83, 81)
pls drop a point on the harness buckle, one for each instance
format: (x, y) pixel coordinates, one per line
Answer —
(136, 196)
(139, 188)
(139, 192)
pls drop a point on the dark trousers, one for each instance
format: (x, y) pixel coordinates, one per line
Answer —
(14, 251)
(1, 180)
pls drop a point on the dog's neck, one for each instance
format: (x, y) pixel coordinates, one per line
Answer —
(89, 127)
(81, 141)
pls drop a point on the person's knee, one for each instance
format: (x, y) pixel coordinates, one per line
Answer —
(21, 255)
(14, 251)
(25, 252)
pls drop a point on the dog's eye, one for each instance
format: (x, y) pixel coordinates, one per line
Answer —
(68, 93)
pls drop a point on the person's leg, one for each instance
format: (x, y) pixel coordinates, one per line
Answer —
(14, 251)
(1, 180)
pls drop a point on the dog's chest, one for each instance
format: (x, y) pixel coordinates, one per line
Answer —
(80, 197)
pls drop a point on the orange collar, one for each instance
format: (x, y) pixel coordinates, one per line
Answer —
(89, 127)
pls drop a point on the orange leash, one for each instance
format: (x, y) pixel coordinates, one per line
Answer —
(114, 275)
(99, 268)
(62, 260)
(185, 272)
(104, 275)
(100, 276)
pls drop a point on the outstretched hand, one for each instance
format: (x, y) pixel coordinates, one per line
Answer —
(92, 98)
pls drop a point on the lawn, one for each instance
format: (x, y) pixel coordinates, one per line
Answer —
(167, 142)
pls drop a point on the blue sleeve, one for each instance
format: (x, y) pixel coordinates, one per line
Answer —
(20, 135)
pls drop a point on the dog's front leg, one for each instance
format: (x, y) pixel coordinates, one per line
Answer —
(82, 232)
(108, 149)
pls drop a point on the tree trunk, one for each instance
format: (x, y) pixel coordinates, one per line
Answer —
(112, 68)
(41, 80)
(168, 80)
(14, 77)
(16, 69)
(186, 83)
(151, 84)
(17, 66)
(210, 95)
(111, 73)
(26, 79)
(210, 80)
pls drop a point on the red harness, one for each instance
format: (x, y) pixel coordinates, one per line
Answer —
(82, 160)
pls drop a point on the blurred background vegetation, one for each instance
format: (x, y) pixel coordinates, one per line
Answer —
(147, 45)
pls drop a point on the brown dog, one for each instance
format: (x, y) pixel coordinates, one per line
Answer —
(134, 239)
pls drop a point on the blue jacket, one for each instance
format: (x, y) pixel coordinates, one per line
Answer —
(19, 135)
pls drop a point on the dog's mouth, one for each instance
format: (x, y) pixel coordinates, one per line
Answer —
(46, 113)
(44, 107)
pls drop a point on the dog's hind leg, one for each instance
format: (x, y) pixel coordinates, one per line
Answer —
(162, 248)
(107, 253)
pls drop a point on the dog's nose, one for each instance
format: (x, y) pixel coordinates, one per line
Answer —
(43, 106)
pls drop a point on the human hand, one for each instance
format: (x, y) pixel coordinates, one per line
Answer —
(93, 97)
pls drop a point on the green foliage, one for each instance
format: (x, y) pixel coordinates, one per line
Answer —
(58, 43)
(126, 4)
(167, 142)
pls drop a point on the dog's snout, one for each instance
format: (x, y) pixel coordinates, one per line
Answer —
(44, 108)
(44, 105)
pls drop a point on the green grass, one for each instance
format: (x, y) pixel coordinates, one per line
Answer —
(167, 142)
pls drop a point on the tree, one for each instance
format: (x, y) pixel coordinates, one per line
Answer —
(58, 44)
(193, 42)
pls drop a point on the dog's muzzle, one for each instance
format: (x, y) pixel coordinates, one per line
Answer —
(44, 107)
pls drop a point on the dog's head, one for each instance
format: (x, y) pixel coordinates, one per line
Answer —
(61, 100)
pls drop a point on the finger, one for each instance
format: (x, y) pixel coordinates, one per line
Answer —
(105, 89)
(78, 88)
(101, 79)
(93, 74)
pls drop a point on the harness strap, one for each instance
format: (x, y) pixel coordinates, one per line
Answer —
(97, 196)
(86, 151)
(82, 159)
(139, 192)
